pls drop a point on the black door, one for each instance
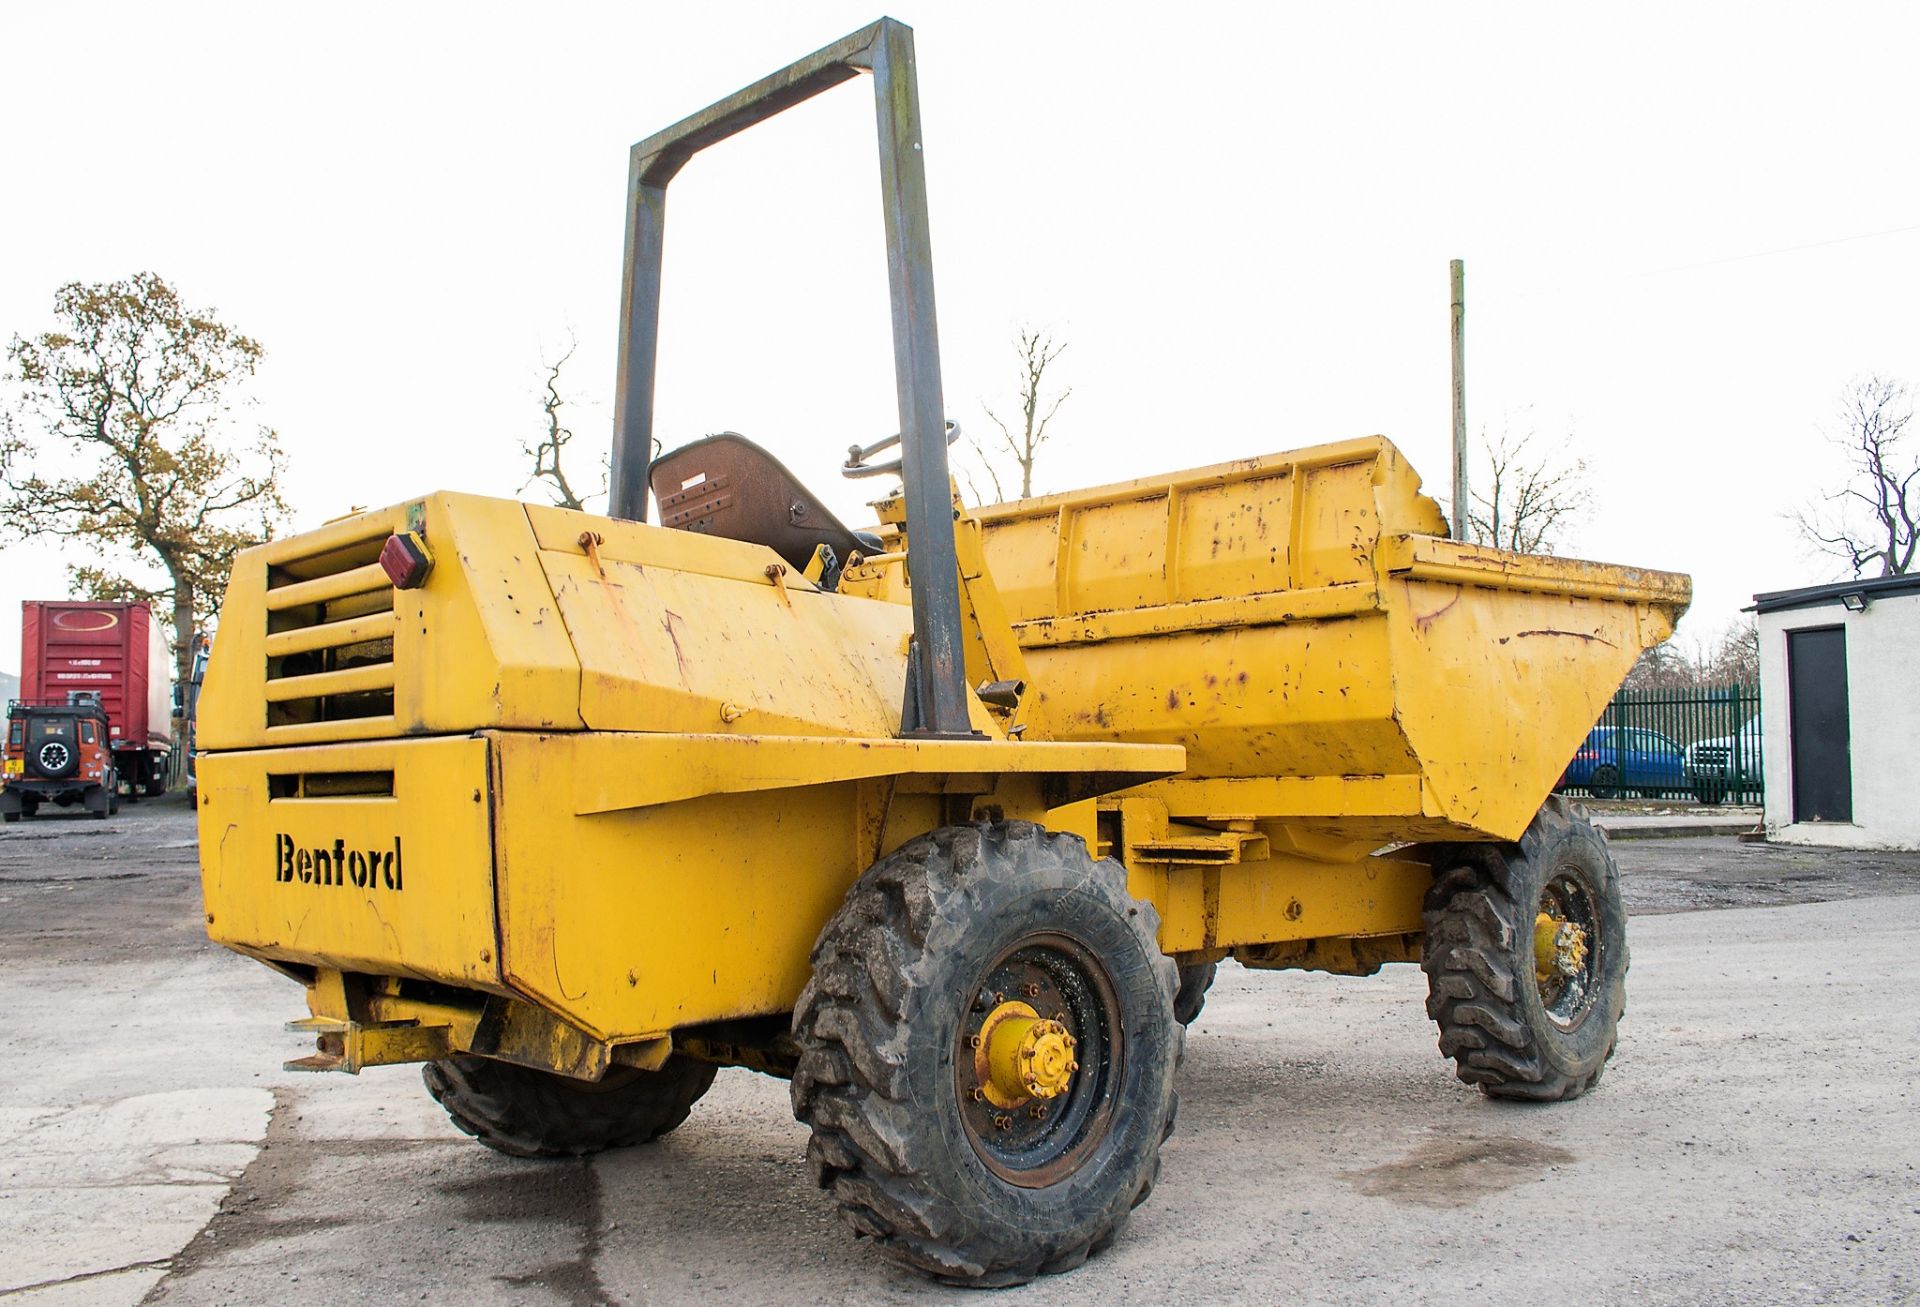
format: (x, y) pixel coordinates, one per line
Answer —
(1817, 716)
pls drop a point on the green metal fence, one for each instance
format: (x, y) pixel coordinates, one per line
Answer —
(1700, 744)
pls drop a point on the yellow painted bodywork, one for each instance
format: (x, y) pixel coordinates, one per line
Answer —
(623, 782)
(1327, 659)
(626, 774)
(434, 920)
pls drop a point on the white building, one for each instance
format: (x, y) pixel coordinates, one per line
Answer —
(1840, 708)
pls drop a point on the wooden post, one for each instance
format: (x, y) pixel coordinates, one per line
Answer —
(1462, 506)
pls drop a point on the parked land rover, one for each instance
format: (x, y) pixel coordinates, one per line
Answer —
(59, 754)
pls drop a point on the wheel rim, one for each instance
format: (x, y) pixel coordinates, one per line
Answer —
(1038, 1059)
(1566, 947)
(1605, 780)
(53, 755)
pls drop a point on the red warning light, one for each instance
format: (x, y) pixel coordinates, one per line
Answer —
(406, 560)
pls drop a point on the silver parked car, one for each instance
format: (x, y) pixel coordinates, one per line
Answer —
(1727, 765)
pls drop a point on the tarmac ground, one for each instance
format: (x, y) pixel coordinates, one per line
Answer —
(1755, 1141)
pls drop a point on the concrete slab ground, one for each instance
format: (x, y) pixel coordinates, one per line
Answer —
(1756, 1139)
(1667, 826)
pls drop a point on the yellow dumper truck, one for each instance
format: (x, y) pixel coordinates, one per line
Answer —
(947, 822)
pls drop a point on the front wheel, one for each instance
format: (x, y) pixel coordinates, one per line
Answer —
(1526, 958)
(527, 1113)
(987, 1053)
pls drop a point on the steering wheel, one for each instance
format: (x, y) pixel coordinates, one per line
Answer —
(857, 466)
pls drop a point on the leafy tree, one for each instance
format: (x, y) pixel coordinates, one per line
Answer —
(1873, 522)
(122, 434)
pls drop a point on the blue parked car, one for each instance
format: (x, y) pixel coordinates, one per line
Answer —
(1617, 759)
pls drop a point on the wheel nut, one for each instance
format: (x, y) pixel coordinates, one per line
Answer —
(1030, 989)
(1038, 1111)
(977, 1093)
(1072, 1067)
(1071, 1042)
(998, 997)
(1003, 1122)
(973, 1041)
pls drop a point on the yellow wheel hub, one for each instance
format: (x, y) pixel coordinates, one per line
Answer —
(1022, 1055)
(1559, 948)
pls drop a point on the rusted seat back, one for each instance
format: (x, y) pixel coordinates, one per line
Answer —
(725, 485)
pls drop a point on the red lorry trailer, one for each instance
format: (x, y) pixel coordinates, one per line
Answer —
(117, 652)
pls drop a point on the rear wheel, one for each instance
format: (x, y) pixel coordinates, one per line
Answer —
(1709, 792)
(987, 1053)
(1526, 958)
(527, 1113)
(1605, 782)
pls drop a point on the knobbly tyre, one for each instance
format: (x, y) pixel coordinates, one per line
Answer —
(947, 823)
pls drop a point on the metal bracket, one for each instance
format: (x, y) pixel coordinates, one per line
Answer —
(351, 1045)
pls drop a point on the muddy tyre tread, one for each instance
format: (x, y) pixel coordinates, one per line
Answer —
(527, 1113)
(850, 1085)
(1191, 998)
(1479, 917)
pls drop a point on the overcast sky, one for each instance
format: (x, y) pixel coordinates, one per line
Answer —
(1686, 229)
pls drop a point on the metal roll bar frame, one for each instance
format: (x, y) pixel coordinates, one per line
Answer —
(936, 675)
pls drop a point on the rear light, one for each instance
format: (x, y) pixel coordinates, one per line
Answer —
(406, 560)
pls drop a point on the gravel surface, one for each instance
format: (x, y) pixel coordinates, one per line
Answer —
(1754, 1142)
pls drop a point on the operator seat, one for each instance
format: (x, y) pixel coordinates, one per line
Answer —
(725, 485)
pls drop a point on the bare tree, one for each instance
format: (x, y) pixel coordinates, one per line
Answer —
(1682, 664)
(122, 434)
(1874, 520)
(551, 448)
(1736, 656)
(1525, 499)
(1037, 350)
(1665, 666)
